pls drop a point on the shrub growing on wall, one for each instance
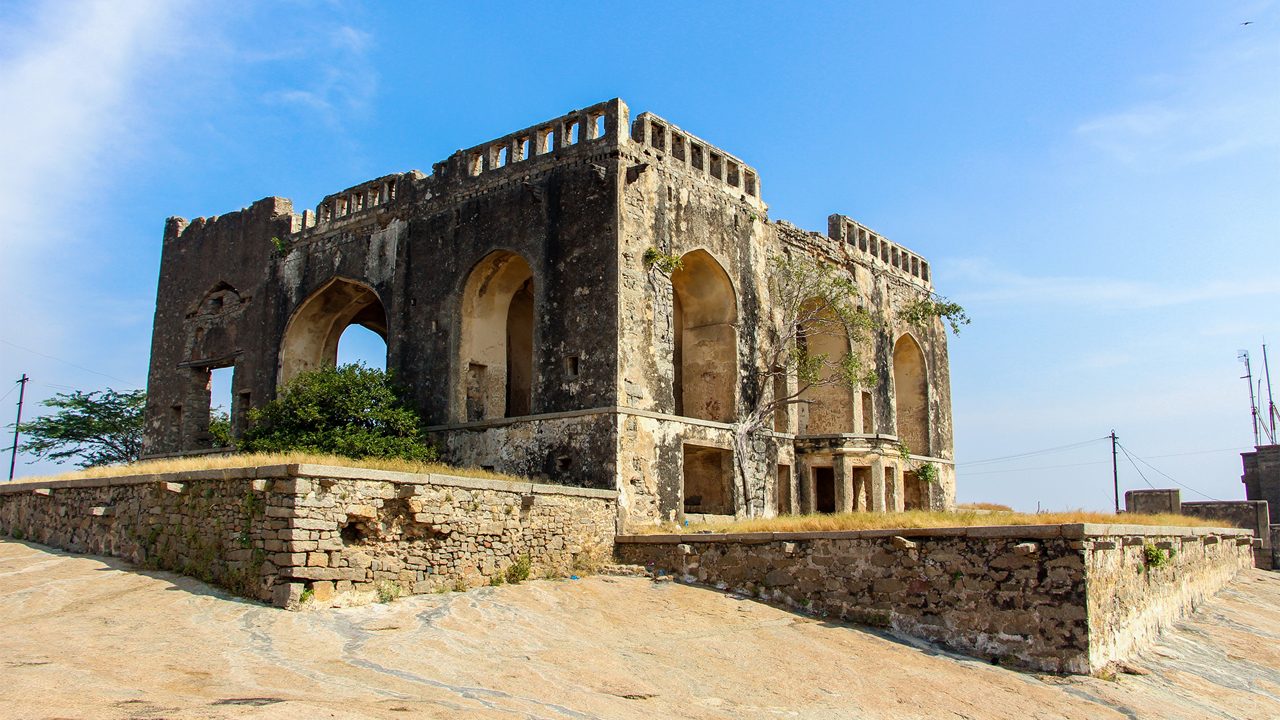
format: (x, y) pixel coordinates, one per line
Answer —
(352, 410)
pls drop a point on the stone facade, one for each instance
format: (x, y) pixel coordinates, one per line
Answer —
(1061, 598)
(1251, 515)
(1153, 502)
(1262, 477)
(512, 289)
(272, 532)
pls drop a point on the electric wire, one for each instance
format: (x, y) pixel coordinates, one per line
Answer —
(1033, 452)
(1169, 477)
(1029, 469)
(1135, 467)
(129, 384)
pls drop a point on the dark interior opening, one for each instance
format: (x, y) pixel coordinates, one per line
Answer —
(824, 489)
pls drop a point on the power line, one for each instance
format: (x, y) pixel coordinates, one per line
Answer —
(1035, 452)
(1202, 452)
(1135, 466)
(1029, 469)
(130, 385)
(1172, 479)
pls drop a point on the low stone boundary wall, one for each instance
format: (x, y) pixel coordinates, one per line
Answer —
(1059, 598)
(271, 533)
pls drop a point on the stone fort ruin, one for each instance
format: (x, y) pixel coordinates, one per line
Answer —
(512, 291)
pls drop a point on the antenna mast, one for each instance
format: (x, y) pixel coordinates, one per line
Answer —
(1271, 403)
(1243, 356)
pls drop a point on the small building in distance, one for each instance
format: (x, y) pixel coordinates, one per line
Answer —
(512, 289)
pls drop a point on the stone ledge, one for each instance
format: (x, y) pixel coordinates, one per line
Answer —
(1070, 531)
(309, 470)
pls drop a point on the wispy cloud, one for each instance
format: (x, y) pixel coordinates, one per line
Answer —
(1227, 104)
(990, 283)
(344, 81)
(68, 82)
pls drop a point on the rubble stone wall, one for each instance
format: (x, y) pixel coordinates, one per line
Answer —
(271, 533)
(1034, 597)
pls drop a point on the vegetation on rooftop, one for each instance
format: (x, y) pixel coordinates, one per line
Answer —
(922, 519)
(240, 460)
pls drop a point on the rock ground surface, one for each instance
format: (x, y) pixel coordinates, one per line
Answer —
(90, 637)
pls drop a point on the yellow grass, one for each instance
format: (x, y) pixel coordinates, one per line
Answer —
(219, 462)
(993, 507)
(923, 519)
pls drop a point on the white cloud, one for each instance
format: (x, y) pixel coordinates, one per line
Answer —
(344, 81)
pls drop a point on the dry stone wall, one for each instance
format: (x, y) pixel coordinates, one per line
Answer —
(272, 533)
(1067, 598)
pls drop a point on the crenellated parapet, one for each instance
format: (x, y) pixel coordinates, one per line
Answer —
(357, 201)
(598, 124)
(877, 251)
(696, 156)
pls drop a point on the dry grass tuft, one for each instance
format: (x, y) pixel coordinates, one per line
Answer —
(988, 506)
(220, 462)
(923, 519)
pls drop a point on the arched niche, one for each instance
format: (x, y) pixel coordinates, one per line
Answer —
(829, 406)
(312, 335)
(911, 395)
(496, 347)
(706, 339)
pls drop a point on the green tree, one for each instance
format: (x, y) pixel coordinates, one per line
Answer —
(220, 428)
(99, 428)
(352, 410)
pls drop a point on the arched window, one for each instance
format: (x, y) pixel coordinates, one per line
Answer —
(498, 317)
(312, 335)
(830, 407)
(911, 395)
(706, 339)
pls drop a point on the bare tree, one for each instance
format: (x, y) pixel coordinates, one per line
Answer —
(808, 300)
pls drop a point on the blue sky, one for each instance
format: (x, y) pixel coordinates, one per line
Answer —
(1097, 182)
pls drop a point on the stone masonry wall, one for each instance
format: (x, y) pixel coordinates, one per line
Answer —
(1027, 596)
(1131, 598)
(272, 532)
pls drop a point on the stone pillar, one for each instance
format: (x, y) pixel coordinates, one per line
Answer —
(877, 484)
(194, 432)
(805, 496)
(893, 478)
(844, 483)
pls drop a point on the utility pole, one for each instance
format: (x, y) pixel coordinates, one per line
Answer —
(1243, 356)
(1115, 472)
(13, 454)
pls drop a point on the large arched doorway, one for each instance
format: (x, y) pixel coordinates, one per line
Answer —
(828, 407)
(911, 395)
(311, 338)
(706, 339)
(496, 349)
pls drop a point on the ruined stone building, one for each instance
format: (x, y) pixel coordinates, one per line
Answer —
(511, 288)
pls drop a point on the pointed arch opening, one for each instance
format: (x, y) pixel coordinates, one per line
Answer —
(496, 348)
(311, 338)
(911, 395)
(829, 406)
(706, 339)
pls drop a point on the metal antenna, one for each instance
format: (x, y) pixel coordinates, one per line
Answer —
(1271, 402)
(1243, 356)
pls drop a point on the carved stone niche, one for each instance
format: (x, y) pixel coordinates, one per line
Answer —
(212, 324)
